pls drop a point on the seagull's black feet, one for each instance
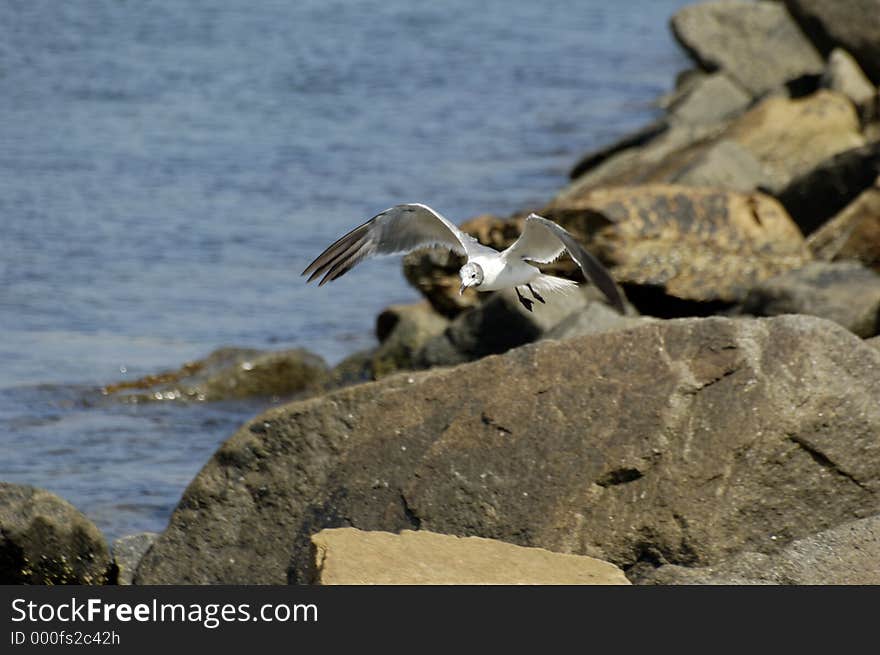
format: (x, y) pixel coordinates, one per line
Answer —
(536, 295)
(525, 301)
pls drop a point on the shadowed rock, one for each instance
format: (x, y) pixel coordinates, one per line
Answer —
(678, 442)
(44, 540)
(821, 192)
(850, 24)
(854, 233)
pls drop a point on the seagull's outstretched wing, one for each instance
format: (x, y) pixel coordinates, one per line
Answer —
(398, 229)
(543, 241)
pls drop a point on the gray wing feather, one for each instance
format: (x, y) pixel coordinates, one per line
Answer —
(398, 229)
(543, 241)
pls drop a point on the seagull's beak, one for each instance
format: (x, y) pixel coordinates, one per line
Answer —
(462, 288)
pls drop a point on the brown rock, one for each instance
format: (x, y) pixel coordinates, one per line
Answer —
(680, 442)
(350, 556)
(697, 244)
(854, 233)
(790, 137)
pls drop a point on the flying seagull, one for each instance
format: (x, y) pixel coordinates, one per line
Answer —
(404, 228)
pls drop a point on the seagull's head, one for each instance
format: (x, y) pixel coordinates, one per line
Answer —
(471, 275)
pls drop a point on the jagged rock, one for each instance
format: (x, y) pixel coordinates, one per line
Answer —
(230, 373)
(696, 244)
(821, 192)
(681, 442)
(854, 233)
(128, 552)
(44, 540)
(756, 43)
(844, 292)
(842, 74)
(711, 99)
(844, 555)
(350, 556)
(851, 24)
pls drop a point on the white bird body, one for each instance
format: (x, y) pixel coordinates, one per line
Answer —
(406, 227)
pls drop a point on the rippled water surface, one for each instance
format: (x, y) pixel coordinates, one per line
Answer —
(167, 169)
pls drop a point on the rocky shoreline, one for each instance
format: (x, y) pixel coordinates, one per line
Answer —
(725, 430)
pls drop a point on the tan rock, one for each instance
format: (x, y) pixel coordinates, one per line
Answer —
(844, 75)
(351, 556)
(777, 140)
(698, 244)
(789, 137)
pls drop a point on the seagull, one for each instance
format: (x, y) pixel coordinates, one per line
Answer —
(407, 227)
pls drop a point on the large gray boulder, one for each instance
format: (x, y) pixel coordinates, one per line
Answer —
(756, 43)
(45, 540)
(680, 442)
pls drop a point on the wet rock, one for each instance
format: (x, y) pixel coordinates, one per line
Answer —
(230, 373)
(679, 442)
(696, 244)
(844, 292)
(756, 43)
(350, 556)
(844, 555)
(825, 189)
(44, 540)
(128, 552)
(854, 233)
(842, 74)
(851, 24)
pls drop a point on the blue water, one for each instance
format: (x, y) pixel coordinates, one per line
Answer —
(167, 169)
